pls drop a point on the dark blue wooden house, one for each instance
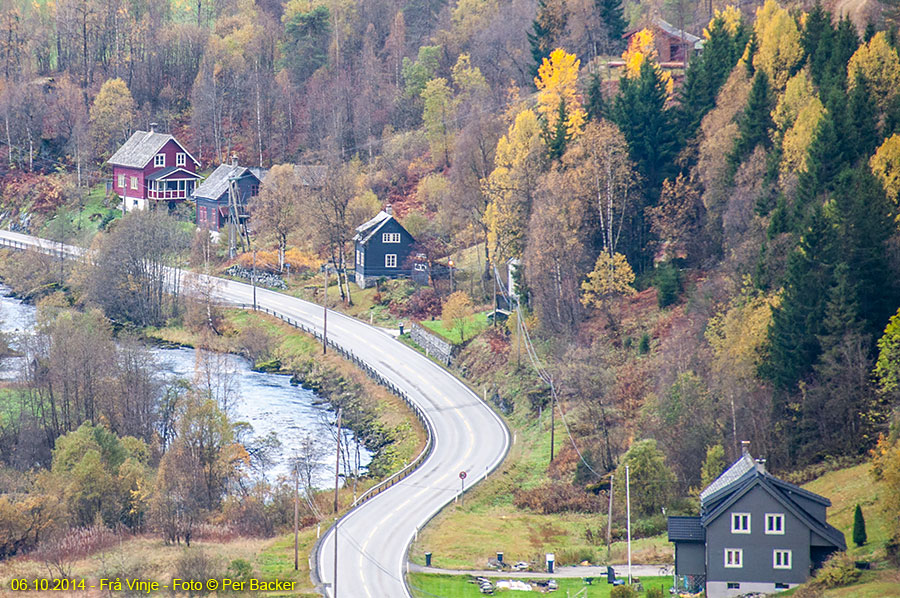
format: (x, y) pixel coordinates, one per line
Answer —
(383, 249)
(213, 195)
(755, 534)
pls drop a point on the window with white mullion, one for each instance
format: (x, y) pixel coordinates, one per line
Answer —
(734, 558)
(781, 559)
(390, 260)
(740, 523)
(775, 524)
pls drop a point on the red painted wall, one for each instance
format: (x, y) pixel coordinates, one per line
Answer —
(169, 149)
(127, 190)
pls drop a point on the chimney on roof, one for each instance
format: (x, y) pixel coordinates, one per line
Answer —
(234, 160)
(153, 127)
(745, 447)
(388, 209)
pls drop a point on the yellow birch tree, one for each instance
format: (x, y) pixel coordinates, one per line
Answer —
(557, 81)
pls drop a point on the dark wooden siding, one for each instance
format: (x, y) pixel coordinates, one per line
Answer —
(376, 250)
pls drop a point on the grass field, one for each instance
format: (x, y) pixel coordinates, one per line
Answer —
(845, 488)
(474, 326)
(82, 223)
(465, 536)
(427, 585)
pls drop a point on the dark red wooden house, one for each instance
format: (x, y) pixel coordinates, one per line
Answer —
(153, 169)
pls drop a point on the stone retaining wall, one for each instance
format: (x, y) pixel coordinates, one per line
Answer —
(434, 345)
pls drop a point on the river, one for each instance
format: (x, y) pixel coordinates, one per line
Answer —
(268, 402)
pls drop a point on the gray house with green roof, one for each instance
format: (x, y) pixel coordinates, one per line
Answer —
(755, 534)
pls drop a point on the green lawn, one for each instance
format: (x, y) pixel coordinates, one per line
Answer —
(82, 223)
(845, 488)
(427, 585)
(474, 326)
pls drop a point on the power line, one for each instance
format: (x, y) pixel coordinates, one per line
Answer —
(542, 371)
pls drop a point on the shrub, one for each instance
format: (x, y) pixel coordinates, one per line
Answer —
(60, 552)
(644, 345)
(667, 281)
(195, 563)
(240, 570)
(648, 527)
(623, 592)
(422, 304)
(655, 593)
(558, 498)
(838, 571)
(256, 343)
(575, 555)
(859, 527)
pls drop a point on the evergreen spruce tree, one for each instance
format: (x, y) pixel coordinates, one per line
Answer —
(864, 220)
(595, 104)
(824, 161)
(845, 44)
(756, 123)
(818, 43)
(613, 16)
(859, 527)
(541, 37)
(641, 113)
(862, 119)
(557, 138)
(706, 73)
(818, 21)
(869, 33)
(793, 341)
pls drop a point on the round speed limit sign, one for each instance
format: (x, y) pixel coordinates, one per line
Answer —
(462, 475)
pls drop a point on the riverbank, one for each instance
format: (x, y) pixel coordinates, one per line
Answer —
(392, 432)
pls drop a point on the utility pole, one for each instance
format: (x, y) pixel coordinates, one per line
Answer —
(253, 280)
(337, 472)
(628, 515)
(609, 519)
(296, 515)
(552, 421)
(337, 463)
(334, 584)
(325, 311)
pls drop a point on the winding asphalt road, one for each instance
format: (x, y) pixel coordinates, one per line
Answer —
(374, 538)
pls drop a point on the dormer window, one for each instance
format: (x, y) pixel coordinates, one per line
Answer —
(180, 159)
(775, 524)
(159, 161)
(390, 238)
(740, 523)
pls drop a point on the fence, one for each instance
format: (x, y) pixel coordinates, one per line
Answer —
(380, 379)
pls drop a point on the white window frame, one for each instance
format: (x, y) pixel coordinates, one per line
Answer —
(390, 237)
(121, 181)
(390, 260)
(771, 518)
(739, 529)
(786, 559)
(736, 563)
(180, 159)
(134, 183)
(159, 160)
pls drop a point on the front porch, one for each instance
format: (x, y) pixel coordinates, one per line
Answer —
(171, 184)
